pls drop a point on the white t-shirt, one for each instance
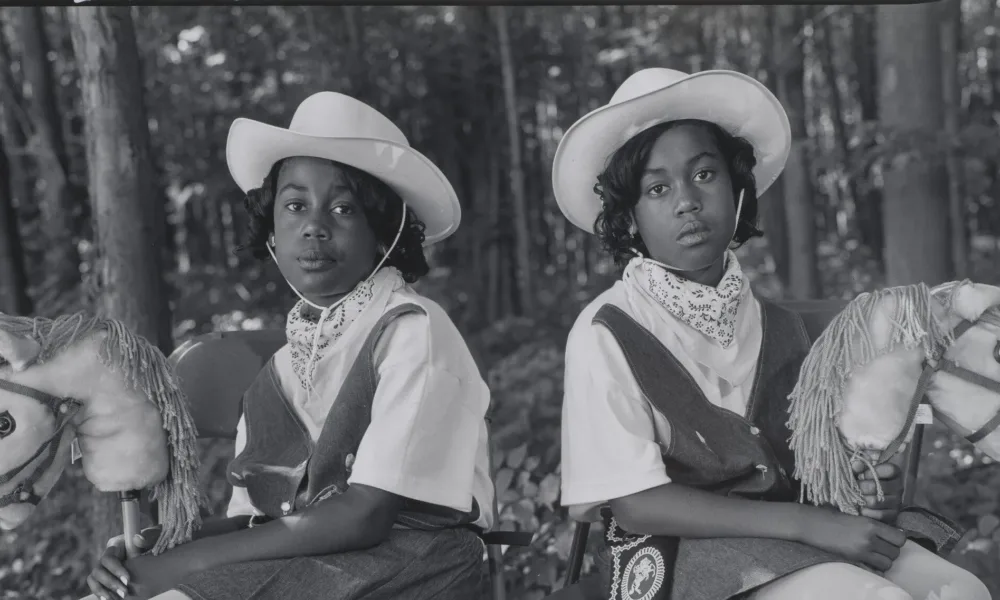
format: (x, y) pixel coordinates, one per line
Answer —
(427, 439)
(612, 438)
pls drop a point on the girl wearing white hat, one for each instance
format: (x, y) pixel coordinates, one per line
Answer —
(361, 466)
(674, 420)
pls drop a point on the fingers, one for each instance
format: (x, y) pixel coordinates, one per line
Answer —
(886, 470)
(894, 536)
(141, 542)
(887, 516)
(877, 561)
(104, 585)
(116, 572)
(880, 546)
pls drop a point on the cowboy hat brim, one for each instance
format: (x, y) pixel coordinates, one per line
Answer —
(739, 104)
(253, 148)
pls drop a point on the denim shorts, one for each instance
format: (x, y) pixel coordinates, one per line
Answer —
(443, 565)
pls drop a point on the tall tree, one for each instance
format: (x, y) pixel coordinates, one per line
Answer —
(128, 209)
(59, 203)
(13, 276)
(869, 200)
(796, 180)
(911, 104)
(13, 191)
(951, 41)
(522, 232)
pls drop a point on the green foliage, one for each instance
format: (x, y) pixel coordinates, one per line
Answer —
(435, 71)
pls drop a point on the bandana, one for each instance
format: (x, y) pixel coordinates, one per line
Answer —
(311, 337)
(709, 310)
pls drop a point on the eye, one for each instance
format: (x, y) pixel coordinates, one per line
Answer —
(343, 209)
(704, 175)
(294, 205)
(657, 190)
(7, 424)
(996, 352)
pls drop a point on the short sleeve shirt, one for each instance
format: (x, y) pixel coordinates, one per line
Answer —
(427, 440)
(612, 438)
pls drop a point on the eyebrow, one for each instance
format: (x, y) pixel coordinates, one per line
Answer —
(301, 188)
(692, 160)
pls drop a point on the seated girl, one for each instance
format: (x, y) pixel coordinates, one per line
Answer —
(361, 466)
(674, 420)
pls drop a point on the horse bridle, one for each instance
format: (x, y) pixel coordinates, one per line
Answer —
(63, 409)
(938, 363)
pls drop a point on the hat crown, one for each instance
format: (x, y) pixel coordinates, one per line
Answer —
(645, 81)
(334, 115)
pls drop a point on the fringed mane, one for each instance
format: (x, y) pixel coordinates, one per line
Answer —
(146, 370)
(822, 457)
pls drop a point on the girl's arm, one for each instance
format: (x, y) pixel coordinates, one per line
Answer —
(358, 519)
(677, 510)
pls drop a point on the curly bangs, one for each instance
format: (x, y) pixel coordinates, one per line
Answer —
(618, 187)
(382, 208)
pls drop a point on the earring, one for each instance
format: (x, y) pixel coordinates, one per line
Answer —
(271, 240)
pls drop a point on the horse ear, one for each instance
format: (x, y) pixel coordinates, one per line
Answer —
(18, 350)
(971, 300)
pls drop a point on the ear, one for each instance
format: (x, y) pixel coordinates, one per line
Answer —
(971, 300)
(18, 350)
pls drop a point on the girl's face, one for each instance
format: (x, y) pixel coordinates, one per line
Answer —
(322, 241)
(686, 212)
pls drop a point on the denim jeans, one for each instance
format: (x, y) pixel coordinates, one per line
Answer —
(443, 565)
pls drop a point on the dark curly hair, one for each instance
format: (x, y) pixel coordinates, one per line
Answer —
(381, 205)
(618, 187)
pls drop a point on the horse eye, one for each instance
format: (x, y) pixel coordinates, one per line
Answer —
(7, 424)
(996, 352)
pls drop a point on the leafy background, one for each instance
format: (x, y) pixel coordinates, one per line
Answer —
(516, 274)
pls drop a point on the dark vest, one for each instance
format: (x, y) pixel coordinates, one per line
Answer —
(283, 470)
(716, 450)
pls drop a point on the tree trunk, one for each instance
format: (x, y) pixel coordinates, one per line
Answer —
(128, 210)
(14, 192)
(494, 239)
(797, 185)
(846, 182)
(951, 30)
(60, 208)
(14, 298)
(869, 202)
(911, 102)
(522, 232)
(774, 220)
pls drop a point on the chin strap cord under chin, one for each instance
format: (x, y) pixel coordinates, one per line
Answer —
(327, 310)
(739, 207)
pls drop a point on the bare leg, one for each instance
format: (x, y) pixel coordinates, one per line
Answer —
(171, 595)
(927, 576)
(831, 581)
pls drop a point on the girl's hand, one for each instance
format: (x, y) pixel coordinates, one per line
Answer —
(110, 578)
(892, 490)
(858, 539)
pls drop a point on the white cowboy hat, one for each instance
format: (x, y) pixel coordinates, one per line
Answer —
(337, 127)
(739, 104)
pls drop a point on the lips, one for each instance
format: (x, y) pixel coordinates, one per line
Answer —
(692, 228)
(314, 260)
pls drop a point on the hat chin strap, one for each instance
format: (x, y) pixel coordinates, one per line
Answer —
(325, 311)
(739, 207)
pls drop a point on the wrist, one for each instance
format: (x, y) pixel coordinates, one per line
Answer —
(800, 521)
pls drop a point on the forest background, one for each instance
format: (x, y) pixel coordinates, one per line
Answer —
(115, 197)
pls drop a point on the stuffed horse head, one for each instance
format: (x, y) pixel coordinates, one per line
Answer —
(91, 382)
(861, 383)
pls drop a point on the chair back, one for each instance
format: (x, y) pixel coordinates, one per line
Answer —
(215, 369)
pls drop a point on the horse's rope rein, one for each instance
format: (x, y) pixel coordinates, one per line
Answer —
(63, 409)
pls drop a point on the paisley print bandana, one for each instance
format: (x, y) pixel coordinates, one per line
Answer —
(309, 340)
(710, 310)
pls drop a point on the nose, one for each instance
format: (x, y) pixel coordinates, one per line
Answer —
(315, 227)
(688, 200)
